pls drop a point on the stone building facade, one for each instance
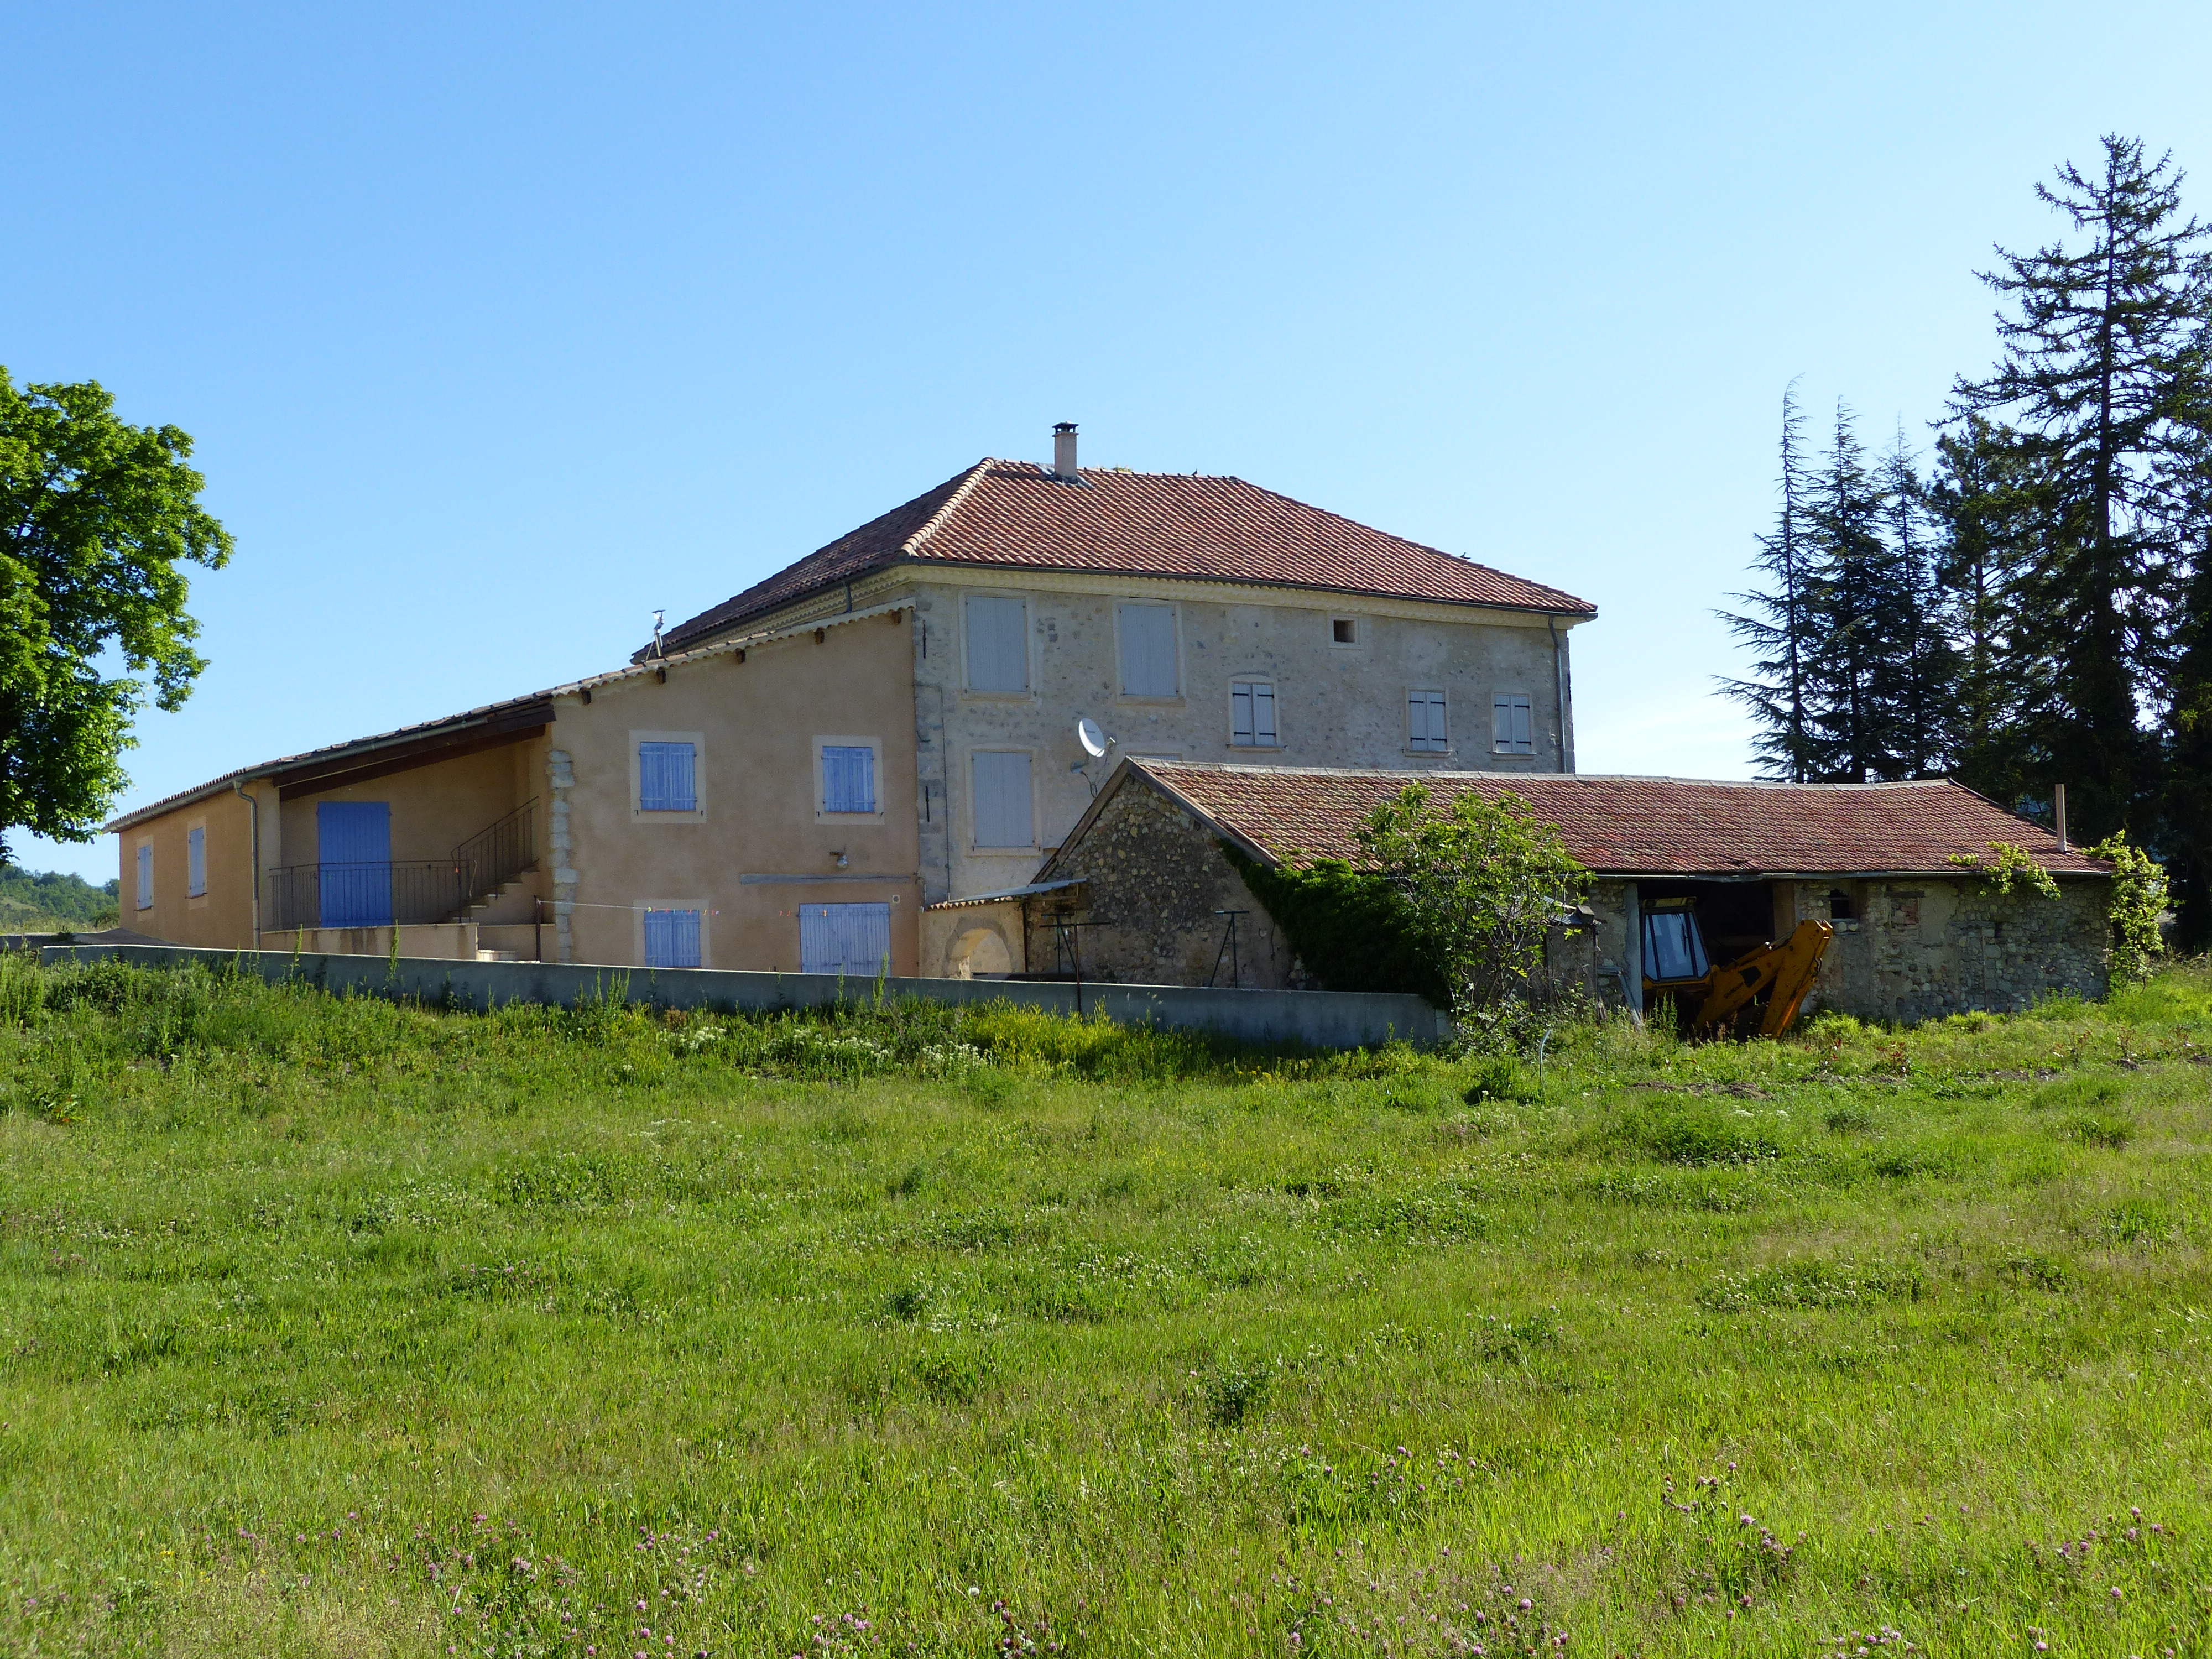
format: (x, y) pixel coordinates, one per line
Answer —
(1915, 938)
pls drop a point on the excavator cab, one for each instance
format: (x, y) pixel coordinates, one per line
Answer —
(1760, 990)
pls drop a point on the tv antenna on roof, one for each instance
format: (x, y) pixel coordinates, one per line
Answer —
(658, 650)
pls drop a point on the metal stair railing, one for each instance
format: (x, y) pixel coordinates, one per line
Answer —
(500, 852)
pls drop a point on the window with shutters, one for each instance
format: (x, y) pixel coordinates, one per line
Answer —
(665, 781)
(672, 936)
(145, 876)
(1425, 723)
(1512, 730)
(998, 644)
(846, 773)
(1148, 650)
(1252, 715)
(195, 861)
(1005, 814)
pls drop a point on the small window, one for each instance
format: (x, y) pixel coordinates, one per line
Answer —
(1425, 723)
(848, 779)
(998, 644)
(1513, 729)
(195, 862)
(1003, 816)
(672, 939)
(1252, 715)
(145, 878)
(1148, 650)
(1840, 907)
(1343, 630)
(1673, 946)
(667, 777)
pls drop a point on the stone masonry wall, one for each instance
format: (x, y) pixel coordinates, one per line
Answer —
(1156, 877)
(1921, 950)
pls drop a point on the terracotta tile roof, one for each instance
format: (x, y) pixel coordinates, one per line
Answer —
(1641, 826)
(1017, 515)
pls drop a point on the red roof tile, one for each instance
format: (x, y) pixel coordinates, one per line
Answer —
(1641, 826)
(1017, 515)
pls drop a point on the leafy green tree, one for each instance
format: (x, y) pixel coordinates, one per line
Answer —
(1484, 883)
(96, 515)
(2096, 345)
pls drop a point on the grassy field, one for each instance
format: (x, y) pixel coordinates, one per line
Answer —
(342, 1327)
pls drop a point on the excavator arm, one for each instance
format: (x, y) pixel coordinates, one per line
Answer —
(1784, 971)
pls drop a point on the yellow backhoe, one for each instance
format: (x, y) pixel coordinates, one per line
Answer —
(1711, 998)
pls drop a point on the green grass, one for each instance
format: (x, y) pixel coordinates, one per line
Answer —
(335, 1326)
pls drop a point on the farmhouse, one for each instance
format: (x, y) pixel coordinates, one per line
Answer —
(1146, 885)
(784, 781)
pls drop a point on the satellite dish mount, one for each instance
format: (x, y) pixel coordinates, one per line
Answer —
(1095, 746)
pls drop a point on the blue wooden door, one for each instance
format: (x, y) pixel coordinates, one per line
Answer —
(353, 845)
(853, 939)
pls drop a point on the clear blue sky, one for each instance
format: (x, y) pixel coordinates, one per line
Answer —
(499, 327)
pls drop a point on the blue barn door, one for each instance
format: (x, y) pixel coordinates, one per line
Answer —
(353, 845)
(853, 939)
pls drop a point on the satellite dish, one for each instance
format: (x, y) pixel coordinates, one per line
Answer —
(1088, 734)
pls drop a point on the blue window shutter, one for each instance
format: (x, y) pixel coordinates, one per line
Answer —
(1148, 650)
(194, 863)
(998, 644)
(672, 939)
(666, 778)
(853, 939)
(1003, 816)
(1252, 714)
(145, 878)
(1425, 720)
(848, 779)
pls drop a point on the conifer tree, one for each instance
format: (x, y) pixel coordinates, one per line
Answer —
(1915, 668)
(1981, 497)
(2095, 341)
(1778, 623)
(1844, 668)
(2186, 838)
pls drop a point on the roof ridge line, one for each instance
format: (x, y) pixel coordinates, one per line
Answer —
(909, 548)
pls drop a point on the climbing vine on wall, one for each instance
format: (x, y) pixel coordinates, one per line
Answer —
(2138, 900)
(2014, 865)
(1348, 926)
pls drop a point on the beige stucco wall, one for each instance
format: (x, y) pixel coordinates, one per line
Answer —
(223, 917)
(434, 806)
(1335, 705)
(758, 848)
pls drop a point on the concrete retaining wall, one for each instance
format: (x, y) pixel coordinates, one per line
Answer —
(1321, 1019)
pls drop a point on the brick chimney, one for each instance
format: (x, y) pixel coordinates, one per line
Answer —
(1063, 453)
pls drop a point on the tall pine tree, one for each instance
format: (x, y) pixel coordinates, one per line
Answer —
(1849, 611)
(1917, 668)
(1778, 623)
(2094, 345)
(1982, 498)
